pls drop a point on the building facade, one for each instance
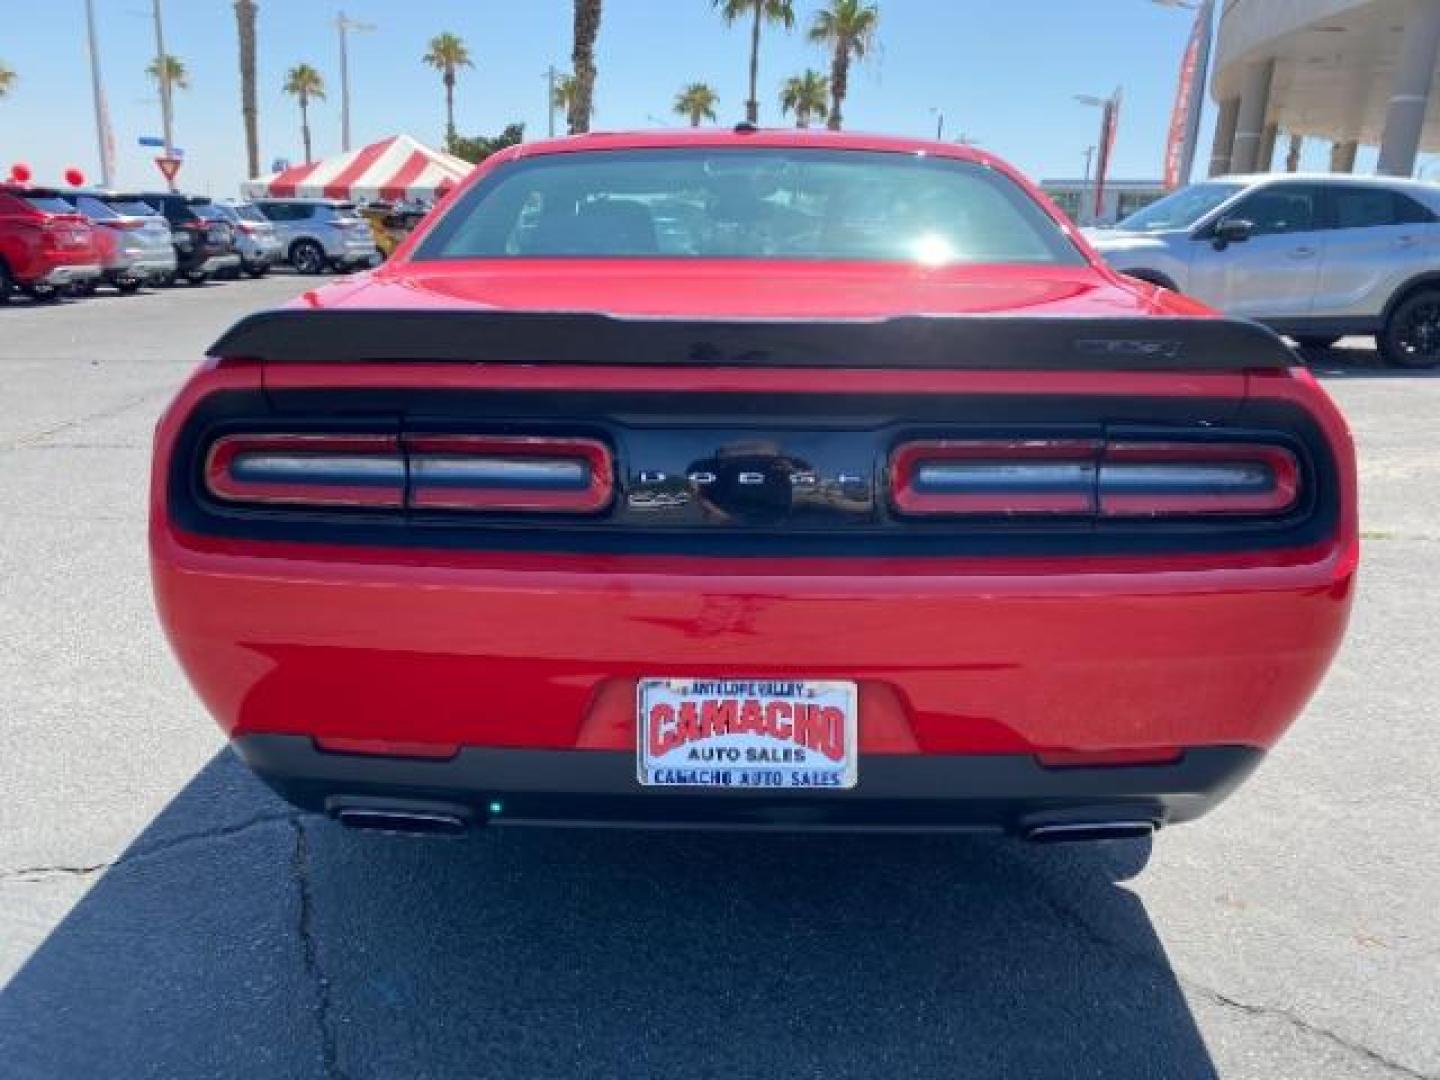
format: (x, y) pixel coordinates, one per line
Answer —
(1353, 72)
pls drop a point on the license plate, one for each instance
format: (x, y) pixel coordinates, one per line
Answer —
(795, 735)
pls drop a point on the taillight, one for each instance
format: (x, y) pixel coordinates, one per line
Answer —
(487, 473)
(1036, 476)
(503, 472)
(122, 224)
(308, 470)
(1140, 479)
(1092, 478)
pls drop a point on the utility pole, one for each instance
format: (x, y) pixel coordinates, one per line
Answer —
(345, 26)
(162, 63)
(102, 117)
(550, 96)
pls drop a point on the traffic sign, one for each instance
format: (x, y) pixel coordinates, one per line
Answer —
(168, 167)
(155, 140)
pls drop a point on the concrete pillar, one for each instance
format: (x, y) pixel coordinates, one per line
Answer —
(1410, 92)
(1266, 157)
(1224, 136)
(1342, 156)
(1250, 123)
(1292, 156)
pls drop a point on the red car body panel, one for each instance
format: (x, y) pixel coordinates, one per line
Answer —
(423, 651)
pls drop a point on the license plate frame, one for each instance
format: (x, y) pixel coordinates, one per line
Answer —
(747, 734)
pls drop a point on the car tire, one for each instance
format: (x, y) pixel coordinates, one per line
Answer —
(126, 286)
(1411, 336)
(43, 294)
(258, 270)
(7, 284)
(197, 277)
(308, 257)
(1316, 341)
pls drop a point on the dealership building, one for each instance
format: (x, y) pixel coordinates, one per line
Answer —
(1352, 72)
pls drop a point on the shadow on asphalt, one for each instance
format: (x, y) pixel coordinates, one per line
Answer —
(236, 939)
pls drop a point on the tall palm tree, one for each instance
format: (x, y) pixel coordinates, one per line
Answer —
(305, 84)
(8, 79)
(582, 62)
(847, 29)
(697, 101)
(245, 14)
(758, 11)
(174, 71)
(447, 55)
(806, 95)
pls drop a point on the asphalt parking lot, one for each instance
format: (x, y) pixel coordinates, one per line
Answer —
(162, 915)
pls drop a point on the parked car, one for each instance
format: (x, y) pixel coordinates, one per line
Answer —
(204, 241)
(133, 238)
(317, 234)
(45, 246)
(864, 495)
(256, 239)
(1315, 257)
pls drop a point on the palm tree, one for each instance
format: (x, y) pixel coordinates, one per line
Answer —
(760, 11)
(173, 72)
(245, 13)
(582, 62)
(8, 79)
(564, 93)
(697, 101)
(448, 55)
(305, 84)
(806, 95)
(847, 28)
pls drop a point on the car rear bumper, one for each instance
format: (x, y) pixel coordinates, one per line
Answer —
(142, 267)
(71, 274)
(221, 262)
(997, 793)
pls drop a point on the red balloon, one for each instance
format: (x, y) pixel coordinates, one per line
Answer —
(20, 172)
(74, 177)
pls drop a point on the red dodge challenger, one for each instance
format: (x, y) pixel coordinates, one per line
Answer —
(752, 479)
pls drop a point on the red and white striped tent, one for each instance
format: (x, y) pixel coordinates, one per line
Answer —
(391, 170)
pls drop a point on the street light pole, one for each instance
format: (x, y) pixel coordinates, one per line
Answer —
(1085, 185)
(550, 97)
(344, 26)
(162, 64)
(102, 119)
(939, 124)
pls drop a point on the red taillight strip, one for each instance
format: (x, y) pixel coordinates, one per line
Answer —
(1005, 477)
(521, 473)
(1139, 479)
(1130, 479)
(308, 470)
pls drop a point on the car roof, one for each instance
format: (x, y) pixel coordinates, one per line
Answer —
(1401, 183)
(744, 138)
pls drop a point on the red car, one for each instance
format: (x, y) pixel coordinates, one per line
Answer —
(752, 479)
(45, 245)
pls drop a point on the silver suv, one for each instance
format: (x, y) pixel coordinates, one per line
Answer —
(319, 233)
(1314, 257)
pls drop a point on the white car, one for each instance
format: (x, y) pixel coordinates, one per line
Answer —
(1314, 257)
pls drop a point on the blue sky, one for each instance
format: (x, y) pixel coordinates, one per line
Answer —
(1002, 71)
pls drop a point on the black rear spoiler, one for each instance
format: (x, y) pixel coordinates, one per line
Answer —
(970, 342)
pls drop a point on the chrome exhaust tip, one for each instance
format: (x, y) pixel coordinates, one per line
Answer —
(401, 819)
(1076, 831)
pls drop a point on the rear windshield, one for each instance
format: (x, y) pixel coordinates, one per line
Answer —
(246, 212)
(95, 208)
(750, 204)
(49, 204)
(133, 208)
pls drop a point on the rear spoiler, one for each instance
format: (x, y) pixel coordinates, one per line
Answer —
(970, 342)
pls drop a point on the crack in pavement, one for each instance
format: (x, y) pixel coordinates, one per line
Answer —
(27, 874)
(1065, 913)
(310, 954)
(25, 441)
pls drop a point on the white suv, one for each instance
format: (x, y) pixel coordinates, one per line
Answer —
(319, 233)
(1314, 257)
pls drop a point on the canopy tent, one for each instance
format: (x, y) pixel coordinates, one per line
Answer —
(391, 170)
